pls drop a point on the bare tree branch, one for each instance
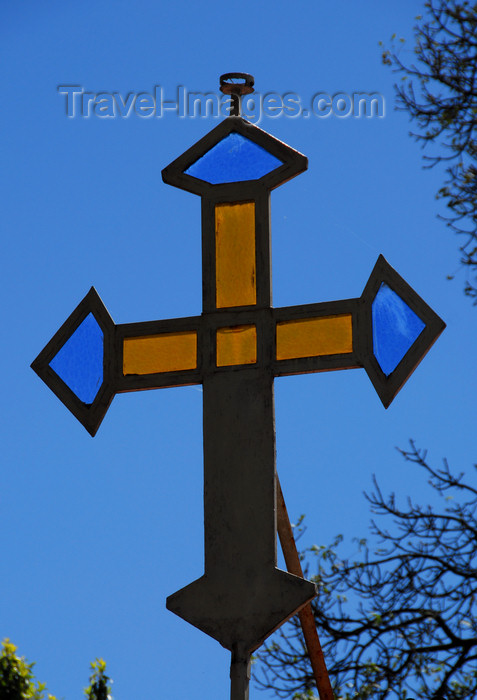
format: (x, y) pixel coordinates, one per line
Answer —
(439, 92)
(399, 618)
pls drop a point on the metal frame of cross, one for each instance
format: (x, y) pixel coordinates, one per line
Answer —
(235, 349)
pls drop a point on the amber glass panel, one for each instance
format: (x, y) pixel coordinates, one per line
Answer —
(312, 337)
(236, 346)
(235, 255)
(166, 352)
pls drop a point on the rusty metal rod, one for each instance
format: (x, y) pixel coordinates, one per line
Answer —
(307, 620)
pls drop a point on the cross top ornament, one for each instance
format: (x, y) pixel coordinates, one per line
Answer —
(235, 349)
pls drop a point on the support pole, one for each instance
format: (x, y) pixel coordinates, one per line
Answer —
(239, 675)
(236, 90)
(307, 620)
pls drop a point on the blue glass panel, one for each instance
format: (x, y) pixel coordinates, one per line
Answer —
(233, 159)
(79, 363)
(395, 328)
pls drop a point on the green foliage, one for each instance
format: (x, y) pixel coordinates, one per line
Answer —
(307, 695)
(16, 676)
(17, 681)
(99, 688)
(439, 92)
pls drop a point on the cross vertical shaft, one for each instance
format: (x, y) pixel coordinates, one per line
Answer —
(239, 454)
(242, 596)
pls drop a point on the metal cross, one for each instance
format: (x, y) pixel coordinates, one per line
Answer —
(235, 349)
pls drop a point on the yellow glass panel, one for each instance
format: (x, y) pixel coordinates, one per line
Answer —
(165, 352)
(312, 337)
(236, 346)
(235, 255)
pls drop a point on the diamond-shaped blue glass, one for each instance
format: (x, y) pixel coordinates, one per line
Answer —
(395, 328)
(79, 363)
(233, 159)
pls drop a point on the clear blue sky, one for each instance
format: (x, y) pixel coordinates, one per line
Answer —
(97, 532)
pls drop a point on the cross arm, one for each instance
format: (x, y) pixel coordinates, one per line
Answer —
(158, 354)
(387, 331)
(316, 337)
(90, 358)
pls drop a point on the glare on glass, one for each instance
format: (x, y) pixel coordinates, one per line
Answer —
(236, 345)
(165, 352)
(79, 363)
(395, 328)
(233, 159)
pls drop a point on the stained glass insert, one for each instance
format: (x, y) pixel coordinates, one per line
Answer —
(79, 363)
(233, 159)
(395, 328)
(314, 337)
(235, 255)
(165, 352)
(236, 346)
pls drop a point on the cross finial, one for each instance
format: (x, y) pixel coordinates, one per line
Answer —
(229, 86)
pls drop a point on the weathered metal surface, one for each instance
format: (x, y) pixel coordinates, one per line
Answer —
(242, 596)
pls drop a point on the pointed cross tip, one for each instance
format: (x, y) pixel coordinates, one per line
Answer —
(81, 342)
(387, 298)
(211, 165)
(244, 611)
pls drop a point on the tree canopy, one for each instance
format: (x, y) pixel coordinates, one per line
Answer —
(399, 619)
(439, 92)
(17, 681)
